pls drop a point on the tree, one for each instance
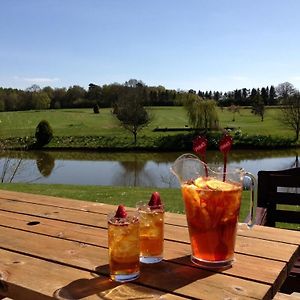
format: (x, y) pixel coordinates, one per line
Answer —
(284, 90)
(11, 101)
(131, 112)
(253, 94)
(272, 96)
(43, 133)
(234, 109)
(96, 109)
(202, 113)
(45, 163)
(290, 116)
(59, 95)
(237, 96)
(40, 100)
(265, 95)
(134, 83)
(258, 106)
(74, 96)
(95, 94)
(216, 96)
(33, 88)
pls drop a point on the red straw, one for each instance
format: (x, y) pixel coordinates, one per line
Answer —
(225, 146)
(199, 147)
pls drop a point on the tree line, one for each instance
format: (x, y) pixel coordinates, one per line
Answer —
(108, 95)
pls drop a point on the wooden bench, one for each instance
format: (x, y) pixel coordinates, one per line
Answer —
(281, 296)
(278, 195)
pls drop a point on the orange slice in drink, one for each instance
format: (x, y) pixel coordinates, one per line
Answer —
(219, 185)
(200, 183)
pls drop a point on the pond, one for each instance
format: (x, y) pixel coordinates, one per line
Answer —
(124, 169)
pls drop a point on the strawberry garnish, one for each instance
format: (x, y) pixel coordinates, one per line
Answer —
(121, 212)
(155, 200)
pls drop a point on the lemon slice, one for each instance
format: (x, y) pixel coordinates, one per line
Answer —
(200, 182)
(219, 185)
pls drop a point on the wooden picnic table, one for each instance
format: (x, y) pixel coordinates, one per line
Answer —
(56, 247)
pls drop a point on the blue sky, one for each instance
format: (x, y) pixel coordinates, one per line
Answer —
(180, 44)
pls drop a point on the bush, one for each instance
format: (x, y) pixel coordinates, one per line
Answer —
(96, 109)
(43, 133)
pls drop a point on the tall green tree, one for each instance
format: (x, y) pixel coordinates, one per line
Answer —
(94, 94)
(74, 97)
(234, 109)
(130, 111)
(272, 95)
(290, 110)
(237, 96)
(40, 100)
(258, 106)
(285, 90)
(264, 95)
(12, 100)
(202, 113)
(253, 94)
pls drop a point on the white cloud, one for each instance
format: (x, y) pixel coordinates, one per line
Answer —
(36, 79)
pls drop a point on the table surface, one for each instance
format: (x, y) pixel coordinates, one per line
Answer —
(57, 248)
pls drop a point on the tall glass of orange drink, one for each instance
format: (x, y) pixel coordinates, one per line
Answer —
(151, 216)
(124, 245)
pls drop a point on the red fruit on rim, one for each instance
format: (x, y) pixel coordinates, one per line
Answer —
(225, 143)
(200, 145)
(121, 212)
(155, 200)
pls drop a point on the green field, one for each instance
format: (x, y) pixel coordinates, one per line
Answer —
(83, 122)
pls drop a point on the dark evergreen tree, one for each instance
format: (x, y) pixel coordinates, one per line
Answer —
(216, 96)
(272, 96)
(237, 97)
(264, 95)
(94, 94)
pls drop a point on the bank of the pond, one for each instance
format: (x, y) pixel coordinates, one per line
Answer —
(172, 142)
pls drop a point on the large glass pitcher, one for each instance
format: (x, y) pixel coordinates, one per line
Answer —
(212, 201)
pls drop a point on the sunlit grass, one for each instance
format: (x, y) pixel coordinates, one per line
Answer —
(83, 122)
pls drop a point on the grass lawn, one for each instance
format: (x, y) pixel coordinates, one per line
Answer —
(83, 122)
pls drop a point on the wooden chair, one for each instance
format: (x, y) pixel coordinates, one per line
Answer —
(277, 192)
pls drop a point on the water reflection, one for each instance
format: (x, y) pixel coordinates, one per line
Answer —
(125, 169)
(45, 163)
(132, 173)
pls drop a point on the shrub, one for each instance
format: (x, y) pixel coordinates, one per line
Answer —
(43, 133)
(96, 109)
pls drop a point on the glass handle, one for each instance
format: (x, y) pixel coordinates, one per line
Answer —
(253, 203)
